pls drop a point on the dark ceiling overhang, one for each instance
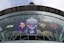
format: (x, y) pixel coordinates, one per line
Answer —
(32, 8)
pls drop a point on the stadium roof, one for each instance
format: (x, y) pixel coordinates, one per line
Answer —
(31, 7)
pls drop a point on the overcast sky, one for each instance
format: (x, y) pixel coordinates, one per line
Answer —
(58, 4)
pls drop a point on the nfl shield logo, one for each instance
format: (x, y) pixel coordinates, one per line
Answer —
(21, 26)
(32, 26)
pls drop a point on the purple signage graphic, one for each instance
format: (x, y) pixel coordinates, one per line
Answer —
(21, 26)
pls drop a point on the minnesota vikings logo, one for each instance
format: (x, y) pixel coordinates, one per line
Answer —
(22, 25)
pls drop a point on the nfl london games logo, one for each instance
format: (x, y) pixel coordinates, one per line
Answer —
(31, 26)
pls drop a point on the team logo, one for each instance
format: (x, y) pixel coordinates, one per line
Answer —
(21, 26)
(43, 25)
(53, 25)
(32, 26)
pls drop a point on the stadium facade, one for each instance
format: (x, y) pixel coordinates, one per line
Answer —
(32, 22)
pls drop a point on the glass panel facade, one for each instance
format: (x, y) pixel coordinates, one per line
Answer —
(15, 26)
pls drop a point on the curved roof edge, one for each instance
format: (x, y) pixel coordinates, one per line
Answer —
(31, 7)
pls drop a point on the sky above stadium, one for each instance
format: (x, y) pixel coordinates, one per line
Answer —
(58, 4)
